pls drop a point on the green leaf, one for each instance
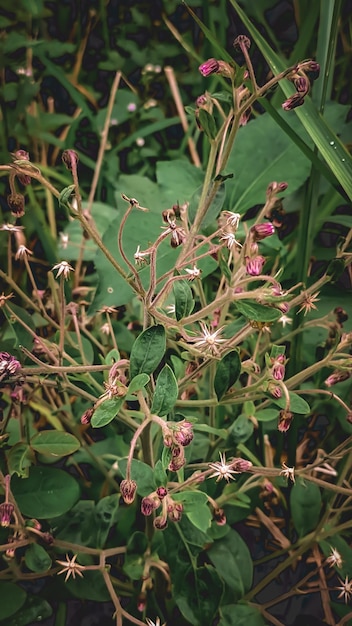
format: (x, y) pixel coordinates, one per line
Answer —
(204, 428)
(143, 475)
(134, 561)
(55, 443)
(12, 598)
(232, 559)
(196, 508)
(65, 196)
(241, 429)
(148, 350)
(305, 502)
(297, 404)
(214, 208)
(240, 615)
(34, 610)
(138, 382)
(19, 459)
(37, 559)
(227, 372)
(178, 180)
(266, 415)
(106, 412)
(166, 392)
(105, 516)
(207, 123)
(257, 312)
(184, 301)
(47, 492)
(329, 145)
(91, 587)
(193, 598)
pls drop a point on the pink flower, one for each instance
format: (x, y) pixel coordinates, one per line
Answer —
(211, 66)
(261, 231)
(254, 266)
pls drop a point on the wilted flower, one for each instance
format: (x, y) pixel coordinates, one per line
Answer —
(334, 558)
(285, 419)
(230, 240)
(70, 567)
(242, 41)
(22, 252)
(63, 268)
(208, 341)
(156, 623)
(219, 517)
(222, 469)
(346, 589)
(193, 273)
(232, 219)
(69, 158)
(16, 204)
(288, 472)
(309, 303)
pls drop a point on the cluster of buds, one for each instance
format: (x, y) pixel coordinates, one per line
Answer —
(177, 436)
(9, 366)
(171, 509)
(276, 373)
(22, 155)
(254, 260)
(178, 233)
(306, 72)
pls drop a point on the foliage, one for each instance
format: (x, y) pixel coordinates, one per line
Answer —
(173, 318)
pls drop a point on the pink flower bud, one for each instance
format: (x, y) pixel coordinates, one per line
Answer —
(6, 511)
(211, 66)
(261, 231)
(69, 158)
(254, 266)
(293, 102)
(160, 522)
(337, 377)
(87, 416)
(220, 517)
(150, 503)
(285, 419)
(278, 371)
(8, 365)
(161, 492)
(241, 465)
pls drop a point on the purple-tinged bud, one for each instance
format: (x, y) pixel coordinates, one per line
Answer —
(337, 377)
(278, 371)
(285, 419)
(241, 42)
(128, 490)
(20, 155)
(211, 66)
(176, 463)
(48, 538)
(283, 307)
(16, 204)
(241, 465)
(302, 85)
(161, 492)
(178, 237)
(160, 522)
(150, 503)
(70, 159)
(274, 188)
(220, 517)
(293, 102)
(275, 390)
(184, 435)
(202, 101)
(177, 451)
(174, 511)
(312, 67)
(87, 416)
(261, 231)
(168, 439)
(6, 511)
(33, 523)
(254, 266)
(8, 365)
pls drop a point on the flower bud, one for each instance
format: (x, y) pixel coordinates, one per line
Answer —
(241, 465)
(141, 602)
(9, 366)
(184, 434)
(161, 492)
(275, 390)
(220, 517)
(16, 204)
(160, 522)
(302, 85)
(274, 188)
(150, 503)
(337, 377)
(87, 416)
(6, 511)
(20, 155)
(293, 102)
(128, 490)
(278, 371)
(70, 158)
(261, 231)
(254, 266)
(211, 66)
(285, 419)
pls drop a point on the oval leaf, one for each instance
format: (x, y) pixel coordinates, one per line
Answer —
(47, 492)
(166, 392)
(37, 559)
(257, 312)
(232, 559)
(184, 301)
(227, 372)
(106, 412)
(12, 598)
(148, 350)
(54, 443)
(297, 404)
(138, 382)
(240, 615)
(305, 502)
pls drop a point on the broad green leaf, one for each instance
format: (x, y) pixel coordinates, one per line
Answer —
(37, 559)
(214, 208)
(47, 492)
(184, 301)
(34, 610)
(55, 443)
(242, 429)
(297, 404)
(138, 382)
(240, 615)
(148, 350)
(19, 459)
(257, 312)
(178, 180)
(204, 428)
(232, 559)
(91, 587)
(227, 372)
(327, 142)
(266, 415)
(105, 516)
(193, 598)
(134, 559)
(166, 392)
(196, 508)
(12, 598)
(305, 502)
(103, 216)
(143, 475)
(207, 123)
(106, 412)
